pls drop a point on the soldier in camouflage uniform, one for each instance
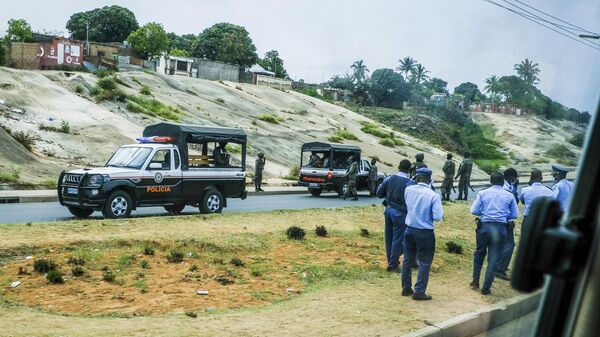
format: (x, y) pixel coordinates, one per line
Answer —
(373, 177)
(259, 166)
(351, 175)
(419, 157)
(448, 182)
(464, 172)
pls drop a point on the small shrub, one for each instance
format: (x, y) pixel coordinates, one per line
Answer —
(223, 280)
(145, 264)
(220, 100)
(345, 134)
(55, 277)
(77, 261)
(152, 107)
(387, 142)
(295, 233)
(104, 73)
(193, 268)
(148, 250)
(321, 230)
(26, 139)
(578, 139)
(364, 232)
(108, 276)
(107, 83)
(79, 89)
(43, 265)
(269, 118)
(454, 248)
(236, 261)
(11, 177)
(111, 95)
(145, 90)
(175, 257)
(256, 271)
(294, 172)
(65, 127)
(335, 139)
(560, 151)
(77, 271)
(191, 314)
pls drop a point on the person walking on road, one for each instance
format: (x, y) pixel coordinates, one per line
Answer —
(536, 190)
(351, 176)
(511, 183)
(373, 172)
(448, 183)
(392, 189)
(464, 172)
(259, 166)
(563, 189)
(495, 207)
(424, 206)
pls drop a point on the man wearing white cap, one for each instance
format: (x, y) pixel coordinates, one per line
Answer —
(563, 188)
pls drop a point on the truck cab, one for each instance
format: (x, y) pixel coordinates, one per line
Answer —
(160, 171)
(323, 167)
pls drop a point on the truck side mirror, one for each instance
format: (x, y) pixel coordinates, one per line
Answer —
(155, 166)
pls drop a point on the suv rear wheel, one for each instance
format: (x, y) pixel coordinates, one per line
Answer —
(315, 191)
(82, 213)
(212, 202)
(118, 205)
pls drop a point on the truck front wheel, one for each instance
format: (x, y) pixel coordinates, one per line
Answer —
(212, 202)
(118, 205)
(82, 213)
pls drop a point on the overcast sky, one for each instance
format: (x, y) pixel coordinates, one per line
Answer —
(458, 41)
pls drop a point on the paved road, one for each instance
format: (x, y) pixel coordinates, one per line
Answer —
(53, 211)
(522, 326)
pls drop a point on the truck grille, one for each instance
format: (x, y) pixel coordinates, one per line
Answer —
(72, 179)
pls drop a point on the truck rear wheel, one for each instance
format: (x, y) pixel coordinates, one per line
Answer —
(342, 190)
(175, 209)
(315, 191)
(118, 205)
(212, 202)
(82, 213)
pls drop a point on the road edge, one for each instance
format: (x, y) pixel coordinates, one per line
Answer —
(475, 323)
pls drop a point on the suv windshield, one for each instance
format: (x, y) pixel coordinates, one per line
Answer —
(131, 157)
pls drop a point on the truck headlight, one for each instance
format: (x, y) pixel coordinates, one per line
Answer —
(95, 180)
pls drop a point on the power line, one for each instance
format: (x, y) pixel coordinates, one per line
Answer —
(534, 18)
(554, 17)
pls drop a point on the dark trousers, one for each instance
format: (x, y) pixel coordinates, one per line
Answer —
(507, 251)
(351, 191)
(257, 179)
(463, 187)
(489, 240)
(394, 235)
(419, 243)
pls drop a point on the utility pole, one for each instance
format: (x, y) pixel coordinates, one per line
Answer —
(87, 38)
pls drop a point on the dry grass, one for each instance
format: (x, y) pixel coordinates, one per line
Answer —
(344, 288)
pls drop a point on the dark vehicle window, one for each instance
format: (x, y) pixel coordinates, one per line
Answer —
(176, 157)
(130, 157)
(315, 159)
(163, 157)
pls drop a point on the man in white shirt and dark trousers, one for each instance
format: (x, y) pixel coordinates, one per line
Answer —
(535, 190)
(511, 183)
(495, 208)
(424, 206)
(563, 188)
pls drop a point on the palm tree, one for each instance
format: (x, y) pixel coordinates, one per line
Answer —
(528, 71)
(419, 74)
(407, 65)
(360, 71)
(491, 86)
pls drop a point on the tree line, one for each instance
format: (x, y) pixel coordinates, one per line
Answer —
(224, 42)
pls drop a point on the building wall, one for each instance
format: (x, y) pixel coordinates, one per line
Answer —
(23, 55)
(103, 50)
(274, 82)
(217, 71)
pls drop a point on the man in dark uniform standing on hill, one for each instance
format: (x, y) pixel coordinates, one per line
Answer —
(419, 157)
(448, 182)
(259, 166)
(464, 172)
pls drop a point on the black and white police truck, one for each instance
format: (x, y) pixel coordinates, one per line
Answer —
(160, 171)
(323, 167)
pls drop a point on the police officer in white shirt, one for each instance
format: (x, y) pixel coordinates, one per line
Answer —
(535, 190)
(563, 188)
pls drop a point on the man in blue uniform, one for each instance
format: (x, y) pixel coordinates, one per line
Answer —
(511, 183)
(563, 188)
(495, 207)
(392, 189)
(535, 190)
(424, 206)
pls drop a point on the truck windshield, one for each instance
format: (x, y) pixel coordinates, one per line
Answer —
(131, 157)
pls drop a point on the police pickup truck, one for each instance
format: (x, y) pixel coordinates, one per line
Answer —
(159, 171)
(323, 167)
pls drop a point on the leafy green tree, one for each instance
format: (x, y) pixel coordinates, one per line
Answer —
(18, 30)
(437, 85)
(387, 86)
(183, 42)
(407, 66)
(227, 43)
(274, 63)
(150, 40)
(341, 82)
(513, 89)
(491, 86)
(419, 74)
(106, 24)
(469, 91)
(359, 72)
(179, 52)
(528, 71)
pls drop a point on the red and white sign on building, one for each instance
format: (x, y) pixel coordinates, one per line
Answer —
(61, 52)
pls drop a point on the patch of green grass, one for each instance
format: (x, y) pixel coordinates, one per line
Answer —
(373, 129)
(55, 277)
(107, 83)
(108, 276)
(339, 272)
(560, 151)
(293, 174)
(220, 100)
(193, 268)
(79, 89)
(145, 90)
(104, 73)
(152, 107)
(148, 250)
(145, 264)
(191, 314)
(125, 261)
(295, 233)
(236, 261)
(270, 118)
(9, 177)
(233, 148)
(387, 142)
(335, 139)
(77, 271)
(175, 256)
(43, 265)
(24, 138)
(490, 165)
(76, 261)
(141, 284)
